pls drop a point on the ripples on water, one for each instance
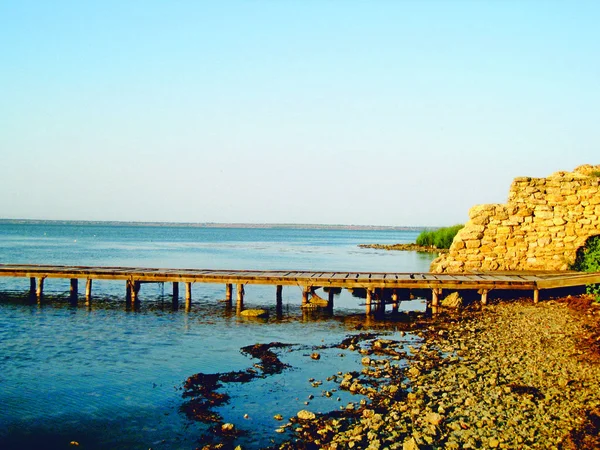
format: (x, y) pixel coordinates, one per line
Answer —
(108, 377)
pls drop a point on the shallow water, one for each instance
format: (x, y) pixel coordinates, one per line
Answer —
(109, 377)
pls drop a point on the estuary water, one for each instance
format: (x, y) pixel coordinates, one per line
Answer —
(107, 376)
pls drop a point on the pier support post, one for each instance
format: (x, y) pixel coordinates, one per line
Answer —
(536, 295)
(369, 300)
(32, 284)
(330, 296)
(73, 290)
(435, 296)
(135, 290)
(228, 292)
(240, 297)
(279, 300)
(395, 300)
(305, 292)
(175, 297)
(39, 292)
(484, 294)
(188, 293)
(188, 296)
(128, 291)
(380, 302)
(88, 290)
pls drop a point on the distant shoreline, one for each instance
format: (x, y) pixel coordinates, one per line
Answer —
(211, 225)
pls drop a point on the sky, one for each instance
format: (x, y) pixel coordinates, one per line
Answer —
(401, 113)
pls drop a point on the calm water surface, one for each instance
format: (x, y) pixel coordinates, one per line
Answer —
(109, 377)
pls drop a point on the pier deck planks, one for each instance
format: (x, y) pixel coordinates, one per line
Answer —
(480, 280)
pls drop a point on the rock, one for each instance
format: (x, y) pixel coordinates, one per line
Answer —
(493, 443)
(227, 427)
(410, 444)
(452, 301)
(413, 372)
(254, 313)
(366, 361)
(278, 417)
(315, 355)
(434, 419)
(306, 415)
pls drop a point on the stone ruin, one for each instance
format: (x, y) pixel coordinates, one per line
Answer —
(541, 227)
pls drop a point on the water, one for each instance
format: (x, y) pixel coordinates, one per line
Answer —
(108, 377)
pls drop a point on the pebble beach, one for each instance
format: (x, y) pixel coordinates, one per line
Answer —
(510, 375)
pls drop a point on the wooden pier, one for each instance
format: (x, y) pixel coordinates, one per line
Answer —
(373, 283)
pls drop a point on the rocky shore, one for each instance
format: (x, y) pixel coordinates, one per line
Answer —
(405, 247)
(512, 375)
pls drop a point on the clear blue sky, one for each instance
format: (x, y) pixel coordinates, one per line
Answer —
(336, 112)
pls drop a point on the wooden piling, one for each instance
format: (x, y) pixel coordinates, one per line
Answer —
(484, 294)
(279, 300)
(330, 296)
(39, 292)
(175, 292)
(369, 299)
(305, 292)
(435, 296)
(536, 295)
(74, 288)
(188, 296)
(240, 296)
(32, 285)
(88, 290)
(228, 292)
(134, 289)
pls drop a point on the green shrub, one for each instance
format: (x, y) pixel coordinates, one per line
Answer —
(595, 173)
(588, 260)
(440, 238)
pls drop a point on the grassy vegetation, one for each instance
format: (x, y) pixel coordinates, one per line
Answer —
(440, 238)
(595, 173)
(588, 260)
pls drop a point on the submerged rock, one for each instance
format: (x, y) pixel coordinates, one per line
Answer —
(254, 313)
(306, 415)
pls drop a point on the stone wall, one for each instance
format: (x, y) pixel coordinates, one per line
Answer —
(540, 228)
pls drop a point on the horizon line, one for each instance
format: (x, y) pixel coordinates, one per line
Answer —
(220, 224)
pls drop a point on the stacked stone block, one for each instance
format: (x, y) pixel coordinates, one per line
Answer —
(541, 227)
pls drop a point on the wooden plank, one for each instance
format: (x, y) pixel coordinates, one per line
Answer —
(339, 276)
(377, 276)
(327, 275)
(593, 278)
